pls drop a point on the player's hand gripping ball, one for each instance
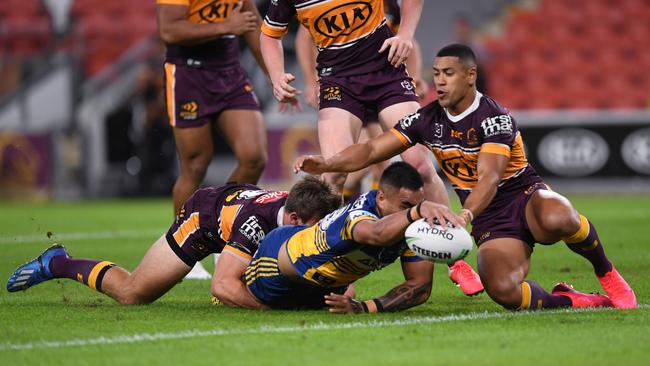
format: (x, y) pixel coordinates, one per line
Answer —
(438, 244)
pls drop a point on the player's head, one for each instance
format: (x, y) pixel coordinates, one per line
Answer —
(309, 201)
(454, 75)
(400, 187)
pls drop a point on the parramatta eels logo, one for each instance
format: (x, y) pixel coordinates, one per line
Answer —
(456, 167)
(343, 19)
(216, 11)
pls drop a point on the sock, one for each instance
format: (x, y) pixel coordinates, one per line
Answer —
(87, 271)
(586, 243)
(534, 297)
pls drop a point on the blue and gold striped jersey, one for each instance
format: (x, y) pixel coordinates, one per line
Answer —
(327, 255)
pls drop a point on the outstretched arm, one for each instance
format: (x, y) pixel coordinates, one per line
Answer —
(390, 229)
(415, 290)
(174, 28)
(227, 285)
(354, 157)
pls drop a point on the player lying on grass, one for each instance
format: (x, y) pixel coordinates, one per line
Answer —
(312, 266)
(233, 219)
(478, 146)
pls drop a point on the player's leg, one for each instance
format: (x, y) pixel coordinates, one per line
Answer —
(245, 133)
(337, 129)
(551, 217)
(159, 271)
(373, 130)
(352, 186)
(503, 264)
(195, 148)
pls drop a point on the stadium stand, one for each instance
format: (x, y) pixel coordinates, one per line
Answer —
(572, 54)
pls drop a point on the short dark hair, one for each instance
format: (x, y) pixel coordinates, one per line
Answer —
(401, 175)
(312, 197)
(463, 52)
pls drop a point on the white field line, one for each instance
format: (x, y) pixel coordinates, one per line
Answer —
(75, 236)
(192, 333)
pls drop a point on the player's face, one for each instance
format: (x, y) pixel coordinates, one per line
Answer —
(391, 200)
(453, 81)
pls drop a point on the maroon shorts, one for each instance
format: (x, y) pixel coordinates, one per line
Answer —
(506, 217)
(195, 95)
(190, 236)
(371, 91)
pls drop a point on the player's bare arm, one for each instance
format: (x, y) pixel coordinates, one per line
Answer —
(491, 168)
(390, 229)
(227, 285)
(306, 55)
(253, 37)
(412, 292)
(354, 157)
(400, 46)
(273, 54)
(174, 27)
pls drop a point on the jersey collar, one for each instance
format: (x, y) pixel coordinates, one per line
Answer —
(472, 108)
(280, 215)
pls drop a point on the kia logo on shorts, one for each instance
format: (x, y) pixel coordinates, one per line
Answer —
(573, 152)
(343, 19)
(636, 151)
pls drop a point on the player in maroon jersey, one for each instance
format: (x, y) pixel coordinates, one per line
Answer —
(479, 147)
(233, 219)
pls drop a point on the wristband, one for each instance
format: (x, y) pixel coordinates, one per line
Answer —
(417, 209)
(364, 306)
(469, 212)
(409, 217)
(372, 306)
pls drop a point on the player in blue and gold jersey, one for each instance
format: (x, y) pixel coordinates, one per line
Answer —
(300, 266)
(480, 149)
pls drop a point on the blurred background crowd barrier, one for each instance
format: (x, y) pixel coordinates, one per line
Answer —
(82, 104)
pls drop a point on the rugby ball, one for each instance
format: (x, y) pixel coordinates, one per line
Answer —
(438, 244)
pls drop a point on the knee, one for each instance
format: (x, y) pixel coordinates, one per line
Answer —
(197, 166)
(254, 162)
(504, 293)
(562, 222)
(132, 298)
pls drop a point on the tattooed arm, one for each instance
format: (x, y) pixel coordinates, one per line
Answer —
(412, 292)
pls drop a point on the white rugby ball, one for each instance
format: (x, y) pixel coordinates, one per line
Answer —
(438, 244)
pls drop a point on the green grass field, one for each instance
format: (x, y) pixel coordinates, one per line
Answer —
(62, 322)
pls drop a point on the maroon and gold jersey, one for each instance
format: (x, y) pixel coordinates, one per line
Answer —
(348, 34)
(456, 142)
(235, 217)
(220, 52)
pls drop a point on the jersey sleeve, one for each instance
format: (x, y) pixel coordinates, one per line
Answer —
(247, 238)
(497, 134)
(411, 129)
(276, 21)
(355, 217)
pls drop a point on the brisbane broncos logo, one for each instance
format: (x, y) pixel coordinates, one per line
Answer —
(343, 19)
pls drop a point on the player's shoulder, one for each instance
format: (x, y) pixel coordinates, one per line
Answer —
(491, 107)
